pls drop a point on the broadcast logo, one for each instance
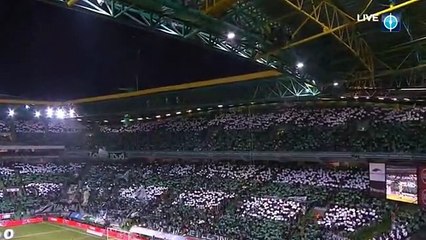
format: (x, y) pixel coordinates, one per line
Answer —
(391, 22)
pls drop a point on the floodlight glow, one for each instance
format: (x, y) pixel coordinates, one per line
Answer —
(105, 121)
(140, 119)
(381, 98)
(37, 114)
(220, 106)
(168, 115)
(11, 112)
(198, 109)
(158, 116)
(49, 112)
(189, 111)
(71, 113)
(300, 65)
(367, 97)
(356, 97)
(230, 35)
(79, 119)
(131, 120)
(27, 107)
(394, 99)
(335, 84)
(60, 113)
(178, 113)
(406, 99)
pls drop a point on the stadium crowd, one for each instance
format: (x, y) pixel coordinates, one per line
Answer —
(356, 129)
(230, 200)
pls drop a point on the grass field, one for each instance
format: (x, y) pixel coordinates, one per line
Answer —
(47, 231)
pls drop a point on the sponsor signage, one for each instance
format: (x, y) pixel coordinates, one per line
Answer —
(377, 174)
(422, 185)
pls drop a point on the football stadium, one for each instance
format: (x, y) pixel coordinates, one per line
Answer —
(213, 119)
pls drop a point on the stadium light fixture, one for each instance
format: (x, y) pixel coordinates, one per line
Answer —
(178, 113)
(335, 84)
(356, 97)
(406, 99)
(79, 119)
(381, 98)
(71, 113)
(220, 106)
(27, 107)
(198, 109)
(342, 97)
(300, 65)
(49, 112)
(158, 116)
(230, 35)
(367, 97)
(189, 111)
(60, 113)
(147, 118)
(37, 114)
(11, 112)
(140, 119)
(394, 99)
(168, 115)
(131, 120)
(105, 121)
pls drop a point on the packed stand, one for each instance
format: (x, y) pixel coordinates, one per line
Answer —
(356, 129)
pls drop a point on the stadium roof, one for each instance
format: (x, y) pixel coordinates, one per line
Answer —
(343, 56)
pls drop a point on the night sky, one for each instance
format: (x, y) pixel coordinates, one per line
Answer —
(53, 53)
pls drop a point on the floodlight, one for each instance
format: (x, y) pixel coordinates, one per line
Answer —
(27, 107)
(300, 65)
(60, 113)
(335, 84)
(158, 116)
(178, 113)
(189, 111)
(11, 112)
(230, 35)
(140, 119)
(105, 121)
(168, 115)
(220, 106)
(198, 109)
(37, 114)
(71, 113)
(49, 112)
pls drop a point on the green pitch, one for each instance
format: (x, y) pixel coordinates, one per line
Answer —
(47, 231)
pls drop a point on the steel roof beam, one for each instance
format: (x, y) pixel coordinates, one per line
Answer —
(349, 24)
(217, 8)
(328, 16)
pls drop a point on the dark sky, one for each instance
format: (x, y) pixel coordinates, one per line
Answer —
(53, 53)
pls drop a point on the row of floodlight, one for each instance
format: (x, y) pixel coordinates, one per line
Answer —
(58, 113)
(176, 113)
(380, 98)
